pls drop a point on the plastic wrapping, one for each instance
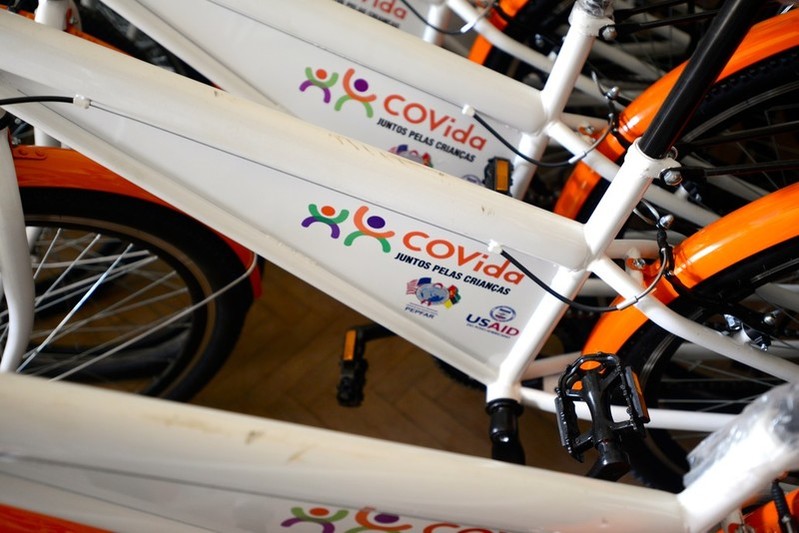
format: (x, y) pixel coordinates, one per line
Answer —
(776, 412)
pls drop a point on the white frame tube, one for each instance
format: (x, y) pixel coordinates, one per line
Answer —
(340, 165)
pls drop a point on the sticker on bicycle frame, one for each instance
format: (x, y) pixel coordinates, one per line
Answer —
(473, 267)
(413, 155)
(430, 294)
(370, 226)
(496, 322)
(446, 132)
(368, 519)
(392, 12)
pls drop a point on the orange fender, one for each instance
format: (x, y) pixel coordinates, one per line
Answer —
(766, 518)
(765, 39)
(66, 169)
(481, 47)
(751, 229)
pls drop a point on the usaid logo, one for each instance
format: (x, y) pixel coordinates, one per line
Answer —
(502, 313)
(496, 322)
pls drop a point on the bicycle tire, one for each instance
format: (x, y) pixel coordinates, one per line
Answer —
(732, 124)
(734, 302)
(110, 267)
(727, 129)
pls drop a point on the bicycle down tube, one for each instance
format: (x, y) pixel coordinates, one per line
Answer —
(420, 88)
(318, 216)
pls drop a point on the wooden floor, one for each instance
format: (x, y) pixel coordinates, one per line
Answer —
(286, 367)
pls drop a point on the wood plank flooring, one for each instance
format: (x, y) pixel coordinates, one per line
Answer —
(286, 367)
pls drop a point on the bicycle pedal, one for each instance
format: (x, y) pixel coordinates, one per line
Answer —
(497, 175)
(353, 364)
(597, 380)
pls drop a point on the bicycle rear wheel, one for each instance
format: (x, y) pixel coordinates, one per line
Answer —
(749, 118)
(121, 290)
(755, 300)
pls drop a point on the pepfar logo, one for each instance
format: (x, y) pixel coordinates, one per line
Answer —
(429, 293)
(370, 226)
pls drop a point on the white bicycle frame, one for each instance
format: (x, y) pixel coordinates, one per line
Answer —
(440, 14)
(287, 186)
(228, 47)
(128, 463)
(285, 182)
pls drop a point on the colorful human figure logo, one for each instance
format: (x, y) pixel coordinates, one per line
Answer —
(369, 227)
(385, 522)
(326, 215)
(367, 520)
(317, 515)
(356, 91)
(321, 79)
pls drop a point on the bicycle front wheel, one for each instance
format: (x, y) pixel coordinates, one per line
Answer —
(130, 295)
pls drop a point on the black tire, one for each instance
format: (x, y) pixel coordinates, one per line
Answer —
(673, 378)
(157, 262)
(749, 117)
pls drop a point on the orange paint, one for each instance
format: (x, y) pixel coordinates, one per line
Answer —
(766, 519)
(751, 229)
(481, 47)
(66, 169)
(767, 38)
(16, 520)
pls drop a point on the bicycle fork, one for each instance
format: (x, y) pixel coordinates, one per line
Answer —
(16, 282)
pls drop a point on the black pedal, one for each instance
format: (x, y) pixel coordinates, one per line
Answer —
(598, 380)
(353, 364)
(497, 175)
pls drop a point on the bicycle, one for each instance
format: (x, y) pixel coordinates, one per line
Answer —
(468, 257)
(125, 462)
(777, 39)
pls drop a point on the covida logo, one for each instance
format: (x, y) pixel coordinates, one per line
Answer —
(389, 7)
(399, 107)
(417, 242)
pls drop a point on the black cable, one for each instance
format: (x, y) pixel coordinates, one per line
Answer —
(36, 99)
(786, 519)
(667, 264)
(543, 164)
(538, 281)
(7, 119)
